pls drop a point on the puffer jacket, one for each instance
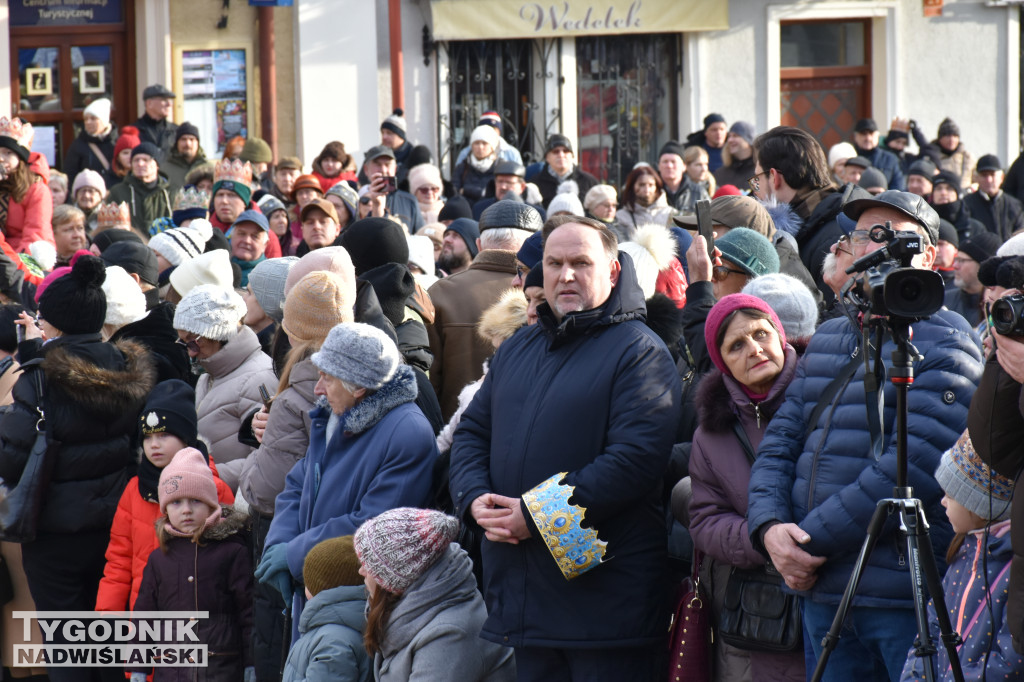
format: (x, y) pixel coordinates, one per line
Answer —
(331, 646)
(284, 443)
(228, 392)
(29, 220)
(828, 482)
(214, 575)
(632, 217)
(93, 392)
(719, 467)
(132, 540)
(434, 629)
(958, 162)
(605, 369)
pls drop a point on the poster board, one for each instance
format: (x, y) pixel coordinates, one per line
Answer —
(215, 92)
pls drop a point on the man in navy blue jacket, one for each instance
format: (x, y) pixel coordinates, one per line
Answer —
(814, 487)
(584, 402)
(865, 141)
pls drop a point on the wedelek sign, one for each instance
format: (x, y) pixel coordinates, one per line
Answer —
(498, 19)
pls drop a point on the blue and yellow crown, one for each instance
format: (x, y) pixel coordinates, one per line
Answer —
(576, 549)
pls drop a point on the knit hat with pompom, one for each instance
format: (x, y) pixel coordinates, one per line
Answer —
(75, 303)
(398, 546)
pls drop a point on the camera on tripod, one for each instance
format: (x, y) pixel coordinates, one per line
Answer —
(890, 286)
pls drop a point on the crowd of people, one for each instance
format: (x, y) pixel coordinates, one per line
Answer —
(386, 425)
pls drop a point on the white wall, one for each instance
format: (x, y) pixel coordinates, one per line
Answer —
(420, 80)
(5, 62)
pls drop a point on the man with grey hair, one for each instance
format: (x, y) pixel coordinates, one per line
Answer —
(460, 300)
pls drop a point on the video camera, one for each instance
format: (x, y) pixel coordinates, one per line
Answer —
(890, 287)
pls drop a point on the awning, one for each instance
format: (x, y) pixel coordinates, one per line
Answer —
(497, 19)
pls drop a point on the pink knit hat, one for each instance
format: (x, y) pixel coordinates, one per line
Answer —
(398, 546)
(330, 258)
(57, 273)
(189, 476)
(725, 307)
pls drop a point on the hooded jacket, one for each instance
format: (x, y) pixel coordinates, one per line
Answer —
(214, 575)
(606, 370)
(29, 220)
(331, 646)
(145, 204)
(828, 483)
(93, 392)
(434, 629)
(226, 394)
(132, 540)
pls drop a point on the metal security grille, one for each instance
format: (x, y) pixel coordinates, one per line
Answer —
(506, 76)
(628, 90)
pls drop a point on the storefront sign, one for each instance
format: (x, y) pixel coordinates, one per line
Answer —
(64, 12)
(496, 19)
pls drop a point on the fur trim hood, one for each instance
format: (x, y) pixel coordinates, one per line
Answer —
(74, 369)
(232, 522)
(785, 218)
(720, 397)
(658, 242)
(400, 390)
(505, 317)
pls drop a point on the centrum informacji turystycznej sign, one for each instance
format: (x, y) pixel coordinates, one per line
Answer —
(497, 19)
(64, 12)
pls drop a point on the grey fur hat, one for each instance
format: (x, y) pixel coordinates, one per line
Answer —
(358, 354)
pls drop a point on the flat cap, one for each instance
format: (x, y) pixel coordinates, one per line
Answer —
(511, 214)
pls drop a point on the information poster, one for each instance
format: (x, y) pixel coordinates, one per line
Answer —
(215, 94)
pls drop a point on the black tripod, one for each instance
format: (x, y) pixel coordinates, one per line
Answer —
(912, 523)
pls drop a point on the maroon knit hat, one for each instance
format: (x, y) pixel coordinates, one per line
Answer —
(189, 476)
(727, 306)
(398, 546)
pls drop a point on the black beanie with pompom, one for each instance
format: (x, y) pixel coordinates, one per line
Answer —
(75, 303)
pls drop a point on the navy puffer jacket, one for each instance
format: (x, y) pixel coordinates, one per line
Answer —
(596, 396)
(829, 483)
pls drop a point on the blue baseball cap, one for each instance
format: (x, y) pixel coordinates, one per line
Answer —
(252, 216)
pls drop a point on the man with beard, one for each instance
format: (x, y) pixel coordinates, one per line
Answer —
(865, 141)
(459, 247)
(460, 299)
(947, 203)
(966, 296)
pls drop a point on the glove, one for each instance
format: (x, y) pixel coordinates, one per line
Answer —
(248, 675)
(273, 570)
(138, 677)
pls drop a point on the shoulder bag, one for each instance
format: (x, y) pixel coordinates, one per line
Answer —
(690, 631)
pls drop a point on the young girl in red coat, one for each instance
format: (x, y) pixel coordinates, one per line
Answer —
(168, 424)
(203, 564)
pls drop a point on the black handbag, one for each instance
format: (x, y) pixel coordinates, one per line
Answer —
(757, 615)
(19, 513)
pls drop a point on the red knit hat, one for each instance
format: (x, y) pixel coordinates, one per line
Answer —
(129, 139)
(189, 476)
(727, 306)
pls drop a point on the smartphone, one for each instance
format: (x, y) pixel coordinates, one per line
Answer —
(265, 395)
(704, 225)
(390, 184)
(20, 329)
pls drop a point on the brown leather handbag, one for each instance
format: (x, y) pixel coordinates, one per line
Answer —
(690, 634)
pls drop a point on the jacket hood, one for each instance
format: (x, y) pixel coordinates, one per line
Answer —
(79, 366)
(720, 397)
(344, 605)
(400, 390)
(446, 584)
(782, 214)
(626, 302)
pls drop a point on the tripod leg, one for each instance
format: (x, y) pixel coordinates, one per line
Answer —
(828, 644)
(926, 560)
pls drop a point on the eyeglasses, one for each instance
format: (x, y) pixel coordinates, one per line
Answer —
(522, 271)
(720, 273)
(856, 238)
(192, 345)
(755, 184)
(962, 260)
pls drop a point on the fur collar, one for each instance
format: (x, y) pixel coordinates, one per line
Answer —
(75, 369)
(720, 398)
(400, 390)
(665, 320)
(231, 523)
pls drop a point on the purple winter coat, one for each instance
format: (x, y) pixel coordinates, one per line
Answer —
(214, 576)
(720, 474)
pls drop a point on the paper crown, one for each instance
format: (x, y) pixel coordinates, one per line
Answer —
(113, 215)
(235, 171)
(190, 197)
(15, 128)
(575, 549)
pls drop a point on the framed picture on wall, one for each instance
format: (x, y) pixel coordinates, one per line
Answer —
(92, 79)
(38, 81)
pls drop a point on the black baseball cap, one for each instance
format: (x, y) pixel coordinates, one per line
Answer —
(910, 205)
(865, 125)
(989, 162)
(157, 90)
(135, 257)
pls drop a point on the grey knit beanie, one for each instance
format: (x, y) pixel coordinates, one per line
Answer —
(791, 300)
(210, 311)
(359, 354)
(398, 546)
(267, 280)
(749, 250)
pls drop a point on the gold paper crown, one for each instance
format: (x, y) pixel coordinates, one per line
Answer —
(190, 197)
(15, 128)
(113, 215)
(235, 171)
(575, 549)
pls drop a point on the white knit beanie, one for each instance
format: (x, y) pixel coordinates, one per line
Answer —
(486, 133)
(210, 311)
(125, 301)
(421, 253)
(182, 243)
(840, 150)
(422, 175)
(567, 200)
(213, 267)
(100, 109)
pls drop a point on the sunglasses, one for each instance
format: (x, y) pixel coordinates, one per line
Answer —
(720, 273)
(192, 345)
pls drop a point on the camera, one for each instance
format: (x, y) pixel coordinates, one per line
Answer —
(1008, 315)
(890, 286)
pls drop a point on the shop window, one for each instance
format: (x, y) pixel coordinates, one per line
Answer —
(825, 76)
(627, 101)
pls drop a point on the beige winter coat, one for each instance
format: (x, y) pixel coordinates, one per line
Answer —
(229, 391)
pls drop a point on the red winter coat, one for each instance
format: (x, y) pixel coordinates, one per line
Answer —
(28, 220)
(132, 540)
(326, 183)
